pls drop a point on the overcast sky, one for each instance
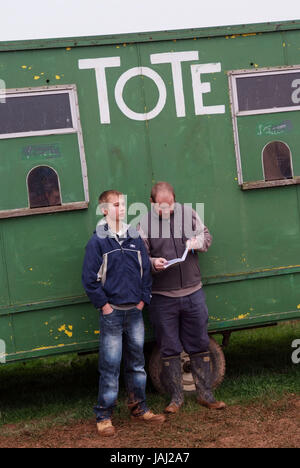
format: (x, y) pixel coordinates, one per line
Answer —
(33, 19)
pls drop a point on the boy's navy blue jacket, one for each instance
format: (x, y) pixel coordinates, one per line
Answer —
(117, 272)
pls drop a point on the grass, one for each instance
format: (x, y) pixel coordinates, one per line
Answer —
(58, 390)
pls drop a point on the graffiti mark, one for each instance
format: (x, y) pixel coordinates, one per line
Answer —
(274, 129)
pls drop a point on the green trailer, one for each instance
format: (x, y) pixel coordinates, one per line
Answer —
(213, 111)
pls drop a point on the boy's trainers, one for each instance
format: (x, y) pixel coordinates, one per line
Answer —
(105, 428)
(149, 417)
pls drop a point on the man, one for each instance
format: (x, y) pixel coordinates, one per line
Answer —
(117, 279)
(178, 309)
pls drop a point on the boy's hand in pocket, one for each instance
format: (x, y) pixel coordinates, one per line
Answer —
(107, 309)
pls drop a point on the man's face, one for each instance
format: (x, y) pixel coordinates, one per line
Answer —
(164, 204)
(114, 209)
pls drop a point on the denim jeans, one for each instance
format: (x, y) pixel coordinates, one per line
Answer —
(121, 332)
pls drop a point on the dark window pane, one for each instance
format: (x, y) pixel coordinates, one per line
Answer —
(35, 113)
(268, 91)
(277, 161)
(43, 187)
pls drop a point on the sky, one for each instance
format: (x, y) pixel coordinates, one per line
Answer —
(33, 19)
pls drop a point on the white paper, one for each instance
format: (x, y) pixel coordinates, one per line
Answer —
(177, 260)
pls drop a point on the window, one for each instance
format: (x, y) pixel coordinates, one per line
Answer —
(43, 187)
(277, 161)
(265, 106)
(41, 152)
(35, 113)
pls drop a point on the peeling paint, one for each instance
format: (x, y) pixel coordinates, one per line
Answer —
(45, 283)
(63, 328)
(242, 316)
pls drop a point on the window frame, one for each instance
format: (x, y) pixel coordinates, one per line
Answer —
(233, 75)
(71, 89)
(25, 92)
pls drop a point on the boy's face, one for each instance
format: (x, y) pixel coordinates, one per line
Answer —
(114, 209)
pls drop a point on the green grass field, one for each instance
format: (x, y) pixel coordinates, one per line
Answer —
(58, 390)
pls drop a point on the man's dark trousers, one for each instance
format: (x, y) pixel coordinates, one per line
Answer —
(180, 323)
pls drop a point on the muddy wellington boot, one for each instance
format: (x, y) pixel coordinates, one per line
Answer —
(171, 378)
(200, 367)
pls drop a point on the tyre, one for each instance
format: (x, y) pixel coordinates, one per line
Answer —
(218, 368)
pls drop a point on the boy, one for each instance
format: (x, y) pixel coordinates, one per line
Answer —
(117, 279)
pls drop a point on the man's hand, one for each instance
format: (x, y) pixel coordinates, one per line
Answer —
(140, 305)
(107, 309)
(194, 243)
(159, 263)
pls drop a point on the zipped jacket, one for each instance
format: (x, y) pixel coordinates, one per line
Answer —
(116, 270)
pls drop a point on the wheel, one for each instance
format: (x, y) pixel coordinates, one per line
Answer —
(218, 367)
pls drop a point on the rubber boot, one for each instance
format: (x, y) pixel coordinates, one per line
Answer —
(201, 371)
(171, 378)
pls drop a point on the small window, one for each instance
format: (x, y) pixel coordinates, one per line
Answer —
(35, 113)
(265, 105)
(43, 187)
(41, 152)
(277, 161)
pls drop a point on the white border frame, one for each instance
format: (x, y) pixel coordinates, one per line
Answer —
(232, 76)
(25, 92)
(58, 89)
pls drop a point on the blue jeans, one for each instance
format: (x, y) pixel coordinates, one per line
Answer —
(121, 332)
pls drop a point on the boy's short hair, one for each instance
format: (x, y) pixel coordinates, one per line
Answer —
(161, 186)
(104, 197)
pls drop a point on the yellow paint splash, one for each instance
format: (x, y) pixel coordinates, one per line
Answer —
(57, 77)
(36, 77)
(242, 316)
(63, 328)
(298, 306)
